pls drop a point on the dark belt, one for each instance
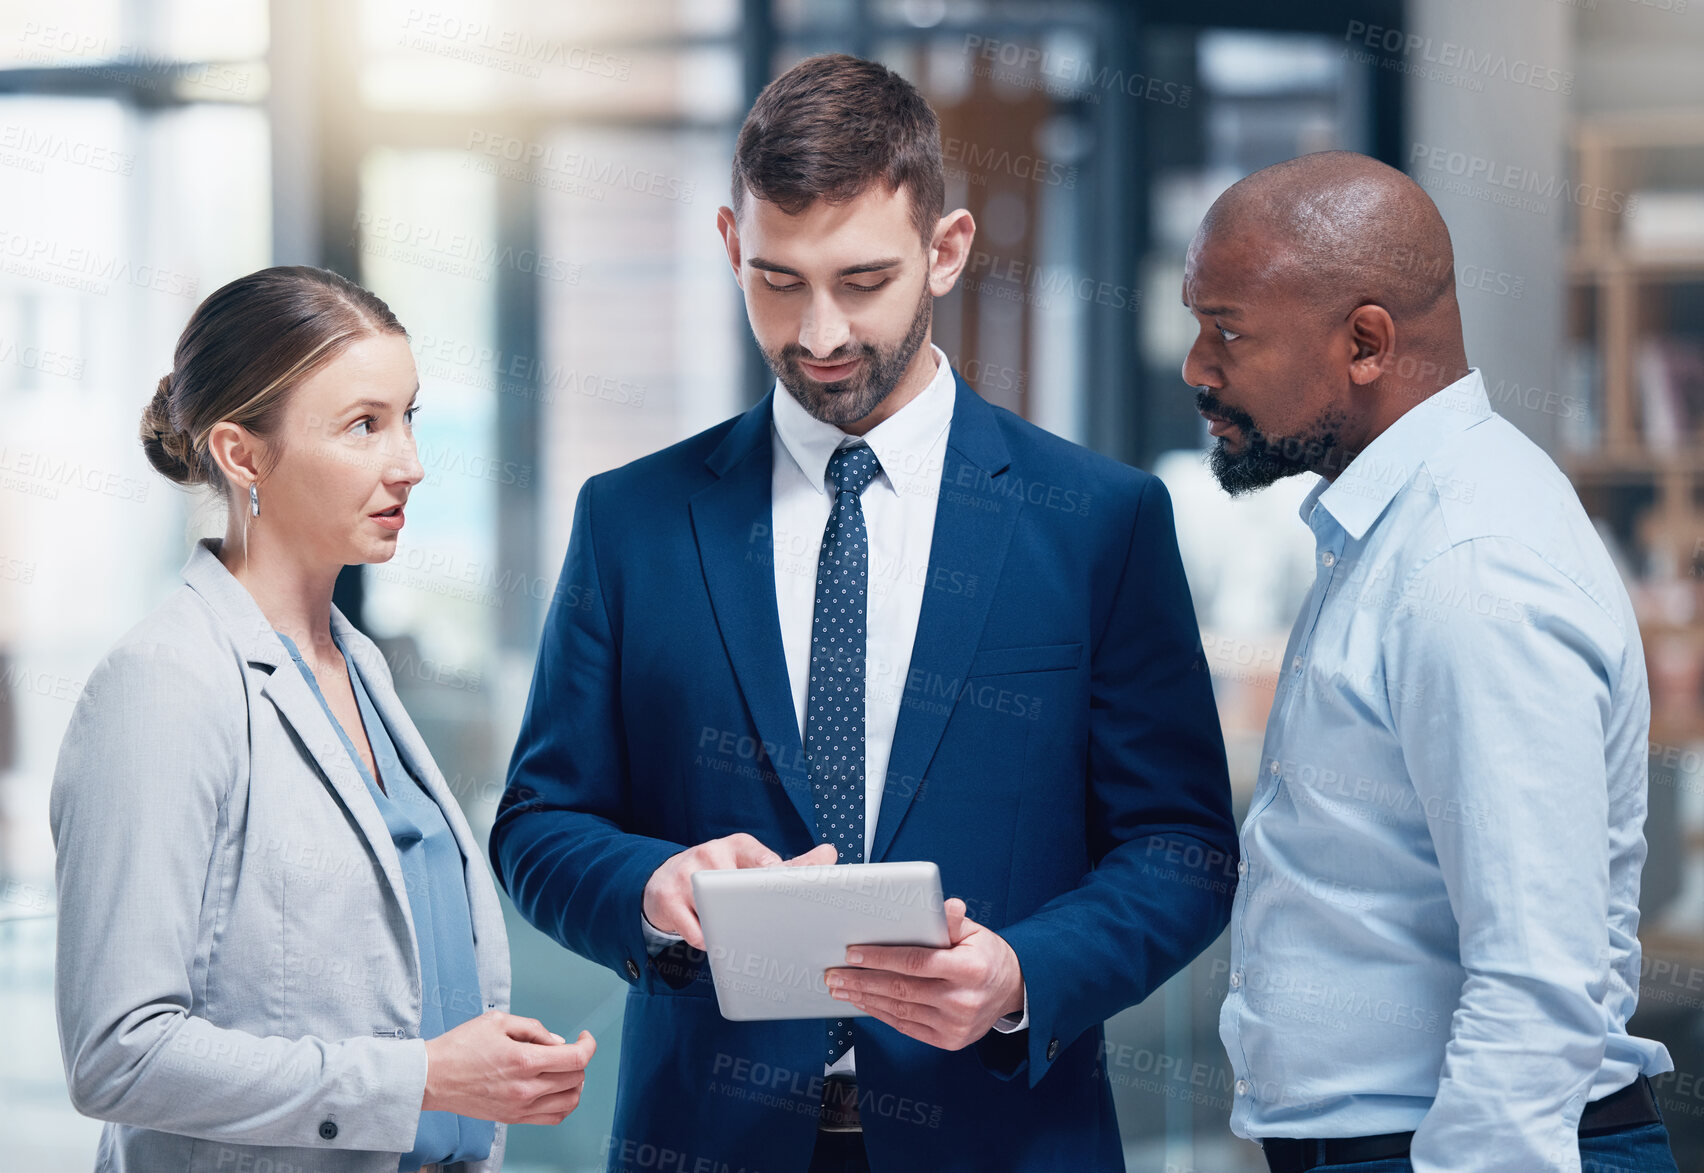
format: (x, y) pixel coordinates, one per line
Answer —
(1634, 1106)
(839, 1112)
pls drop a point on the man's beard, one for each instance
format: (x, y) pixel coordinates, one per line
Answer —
(850, 399)
(1265, 459)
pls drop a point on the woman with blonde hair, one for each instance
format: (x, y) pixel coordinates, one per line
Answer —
(279, 946)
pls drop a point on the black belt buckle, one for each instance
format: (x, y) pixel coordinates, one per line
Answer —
(839, 1111)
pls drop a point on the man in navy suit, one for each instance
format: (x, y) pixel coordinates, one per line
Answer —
(872, 618)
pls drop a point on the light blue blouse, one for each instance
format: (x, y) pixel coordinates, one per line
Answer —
(432, 871)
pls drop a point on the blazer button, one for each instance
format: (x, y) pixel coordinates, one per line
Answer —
(1052, 1050)
(328, 1130)
(632, 969)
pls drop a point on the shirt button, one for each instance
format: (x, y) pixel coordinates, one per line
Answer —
(1328, 558)
(632, 969)
(328, 1130)
(1242, 1087)
(1296, 663)
(1242, 867)
(1274, 767)
(1236, 981)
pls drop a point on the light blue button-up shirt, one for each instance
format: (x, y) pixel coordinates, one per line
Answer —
(1434, 930)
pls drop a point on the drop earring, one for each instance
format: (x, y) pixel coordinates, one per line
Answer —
(254, 501)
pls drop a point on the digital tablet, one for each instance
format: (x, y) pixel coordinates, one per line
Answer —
(771, 932)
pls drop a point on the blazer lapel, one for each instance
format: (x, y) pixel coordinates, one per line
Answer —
(286, 688)
(491, 942)
(732, 523)
(296, 703)
(973, 528)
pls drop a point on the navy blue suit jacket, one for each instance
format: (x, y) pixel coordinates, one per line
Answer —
(1058, 755)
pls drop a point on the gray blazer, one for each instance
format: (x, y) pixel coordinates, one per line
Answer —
(237, 975)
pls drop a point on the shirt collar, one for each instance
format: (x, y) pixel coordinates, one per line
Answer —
(1362, 492)
(901, 442)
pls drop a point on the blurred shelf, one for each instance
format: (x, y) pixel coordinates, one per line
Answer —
(1598, 265)
(1632, 463)
(1682, 948)
(1676, 733)
(1659, 627)
(1641, 130)
(1623, 300)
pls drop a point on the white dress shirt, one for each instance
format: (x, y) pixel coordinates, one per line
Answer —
(899, 519)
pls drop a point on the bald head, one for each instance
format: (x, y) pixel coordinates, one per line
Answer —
(1324, 289)
(1343, 230)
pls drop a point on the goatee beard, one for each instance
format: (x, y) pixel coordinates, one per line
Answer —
(851, 399)
(1265, 460)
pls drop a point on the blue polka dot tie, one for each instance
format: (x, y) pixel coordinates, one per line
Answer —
(834, 706)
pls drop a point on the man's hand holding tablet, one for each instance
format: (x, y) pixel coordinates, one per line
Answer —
(948, 997)
(788, 947)
(668, 902)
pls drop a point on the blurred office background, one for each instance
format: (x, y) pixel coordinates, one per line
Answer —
(532, 186)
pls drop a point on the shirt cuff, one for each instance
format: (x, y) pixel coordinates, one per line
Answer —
(656, 940)
(1008, 1023)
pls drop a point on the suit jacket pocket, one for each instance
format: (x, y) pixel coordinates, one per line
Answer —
(1037, 658)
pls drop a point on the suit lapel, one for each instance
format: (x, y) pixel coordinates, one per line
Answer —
(732, 524)
(288, 691)
(490, 936)
(296, 703)
(973, 528)
(974, 521)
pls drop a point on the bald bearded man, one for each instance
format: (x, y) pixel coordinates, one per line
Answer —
(1433, 949)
